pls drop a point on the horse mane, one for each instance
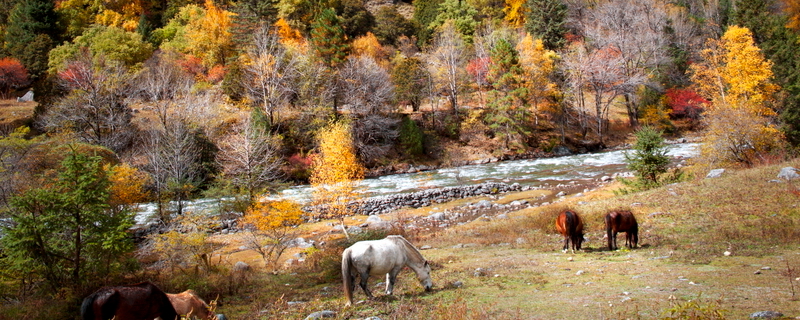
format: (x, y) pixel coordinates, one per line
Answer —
(408, 246)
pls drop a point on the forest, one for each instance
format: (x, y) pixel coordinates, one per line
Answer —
(162, 101)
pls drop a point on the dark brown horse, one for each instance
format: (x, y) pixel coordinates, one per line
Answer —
(570, 225)
(142, 301)
(622, 221)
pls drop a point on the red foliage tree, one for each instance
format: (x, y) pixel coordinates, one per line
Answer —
(478, 68)
(685, 103)
(13, 75)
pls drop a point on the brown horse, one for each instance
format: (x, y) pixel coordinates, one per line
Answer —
(142, 301)
(570, 225)
(189, 304)
(622, 221)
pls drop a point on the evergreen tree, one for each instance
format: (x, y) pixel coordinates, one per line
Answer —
(649, 159)
(249, 15)
(546, 19)
(328, 38)
(507, 111)
(425, 12)
(65, 230)
(461, 14)
(32, 28)
(411, 80)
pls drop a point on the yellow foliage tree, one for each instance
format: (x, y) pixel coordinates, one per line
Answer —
(122, 14)
(515, 12)
(209, 38)
(185, 246)
(335, 171)
(127, 185)
(538, 65)
(274, 224)
(736, 78)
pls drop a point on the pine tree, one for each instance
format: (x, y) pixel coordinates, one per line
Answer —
(411, 80)
(546, 19)
(31, 32)
(507, 112)
(649, 159)
(63, 231)
(328, 38)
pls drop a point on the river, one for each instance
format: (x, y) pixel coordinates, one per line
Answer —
(531, 172)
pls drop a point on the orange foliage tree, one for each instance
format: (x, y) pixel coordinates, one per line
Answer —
(209, 38)
(335, 171)
(13, 75)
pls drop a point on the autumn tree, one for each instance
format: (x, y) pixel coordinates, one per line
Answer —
(736, 78)
(185, 246)
(209, 37)
(546, 20)
(63, 231)
(174, 160)
(365, 86)
(95, 108)
(507, 111)
(270, 72)
(538, 66)
(164, 86)
(446, 62)
(250, 158)
(274, 225)
(515, 12)
(335, 172)
(631, 36)
(13, 75)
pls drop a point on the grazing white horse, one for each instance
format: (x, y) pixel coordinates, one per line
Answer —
(382, 257)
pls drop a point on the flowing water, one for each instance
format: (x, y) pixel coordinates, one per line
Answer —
(531, 172)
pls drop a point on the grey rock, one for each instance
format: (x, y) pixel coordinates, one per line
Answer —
(716, 173)
(321, 314)
(766, 315)
(373, 218)
(788, 173)
(439, 216)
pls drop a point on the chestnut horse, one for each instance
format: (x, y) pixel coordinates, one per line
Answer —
(570, 225)
(622, 221)
(189, 304)
(142, 301)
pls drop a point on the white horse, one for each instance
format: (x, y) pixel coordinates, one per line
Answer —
(379, 257)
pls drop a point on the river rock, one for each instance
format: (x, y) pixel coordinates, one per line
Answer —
(766, 315)
(241, 266)
(716, 173)
(321, 314)
(788, 173)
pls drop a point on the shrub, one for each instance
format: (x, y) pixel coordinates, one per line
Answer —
(411, 137)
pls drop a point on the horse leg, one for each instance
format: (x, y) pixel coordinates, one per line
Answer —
(613, 240)
(566, 244)
(363, 283)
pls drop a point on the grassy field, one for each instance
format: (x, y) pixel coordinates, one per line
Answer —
(680, 268)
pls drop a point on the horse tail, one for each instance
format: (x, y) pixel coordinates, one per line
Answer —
(347, 278)
(167, 310)
(87, 312)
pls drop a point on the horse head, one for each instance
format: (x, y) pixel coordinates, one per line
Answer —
(425, 276)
